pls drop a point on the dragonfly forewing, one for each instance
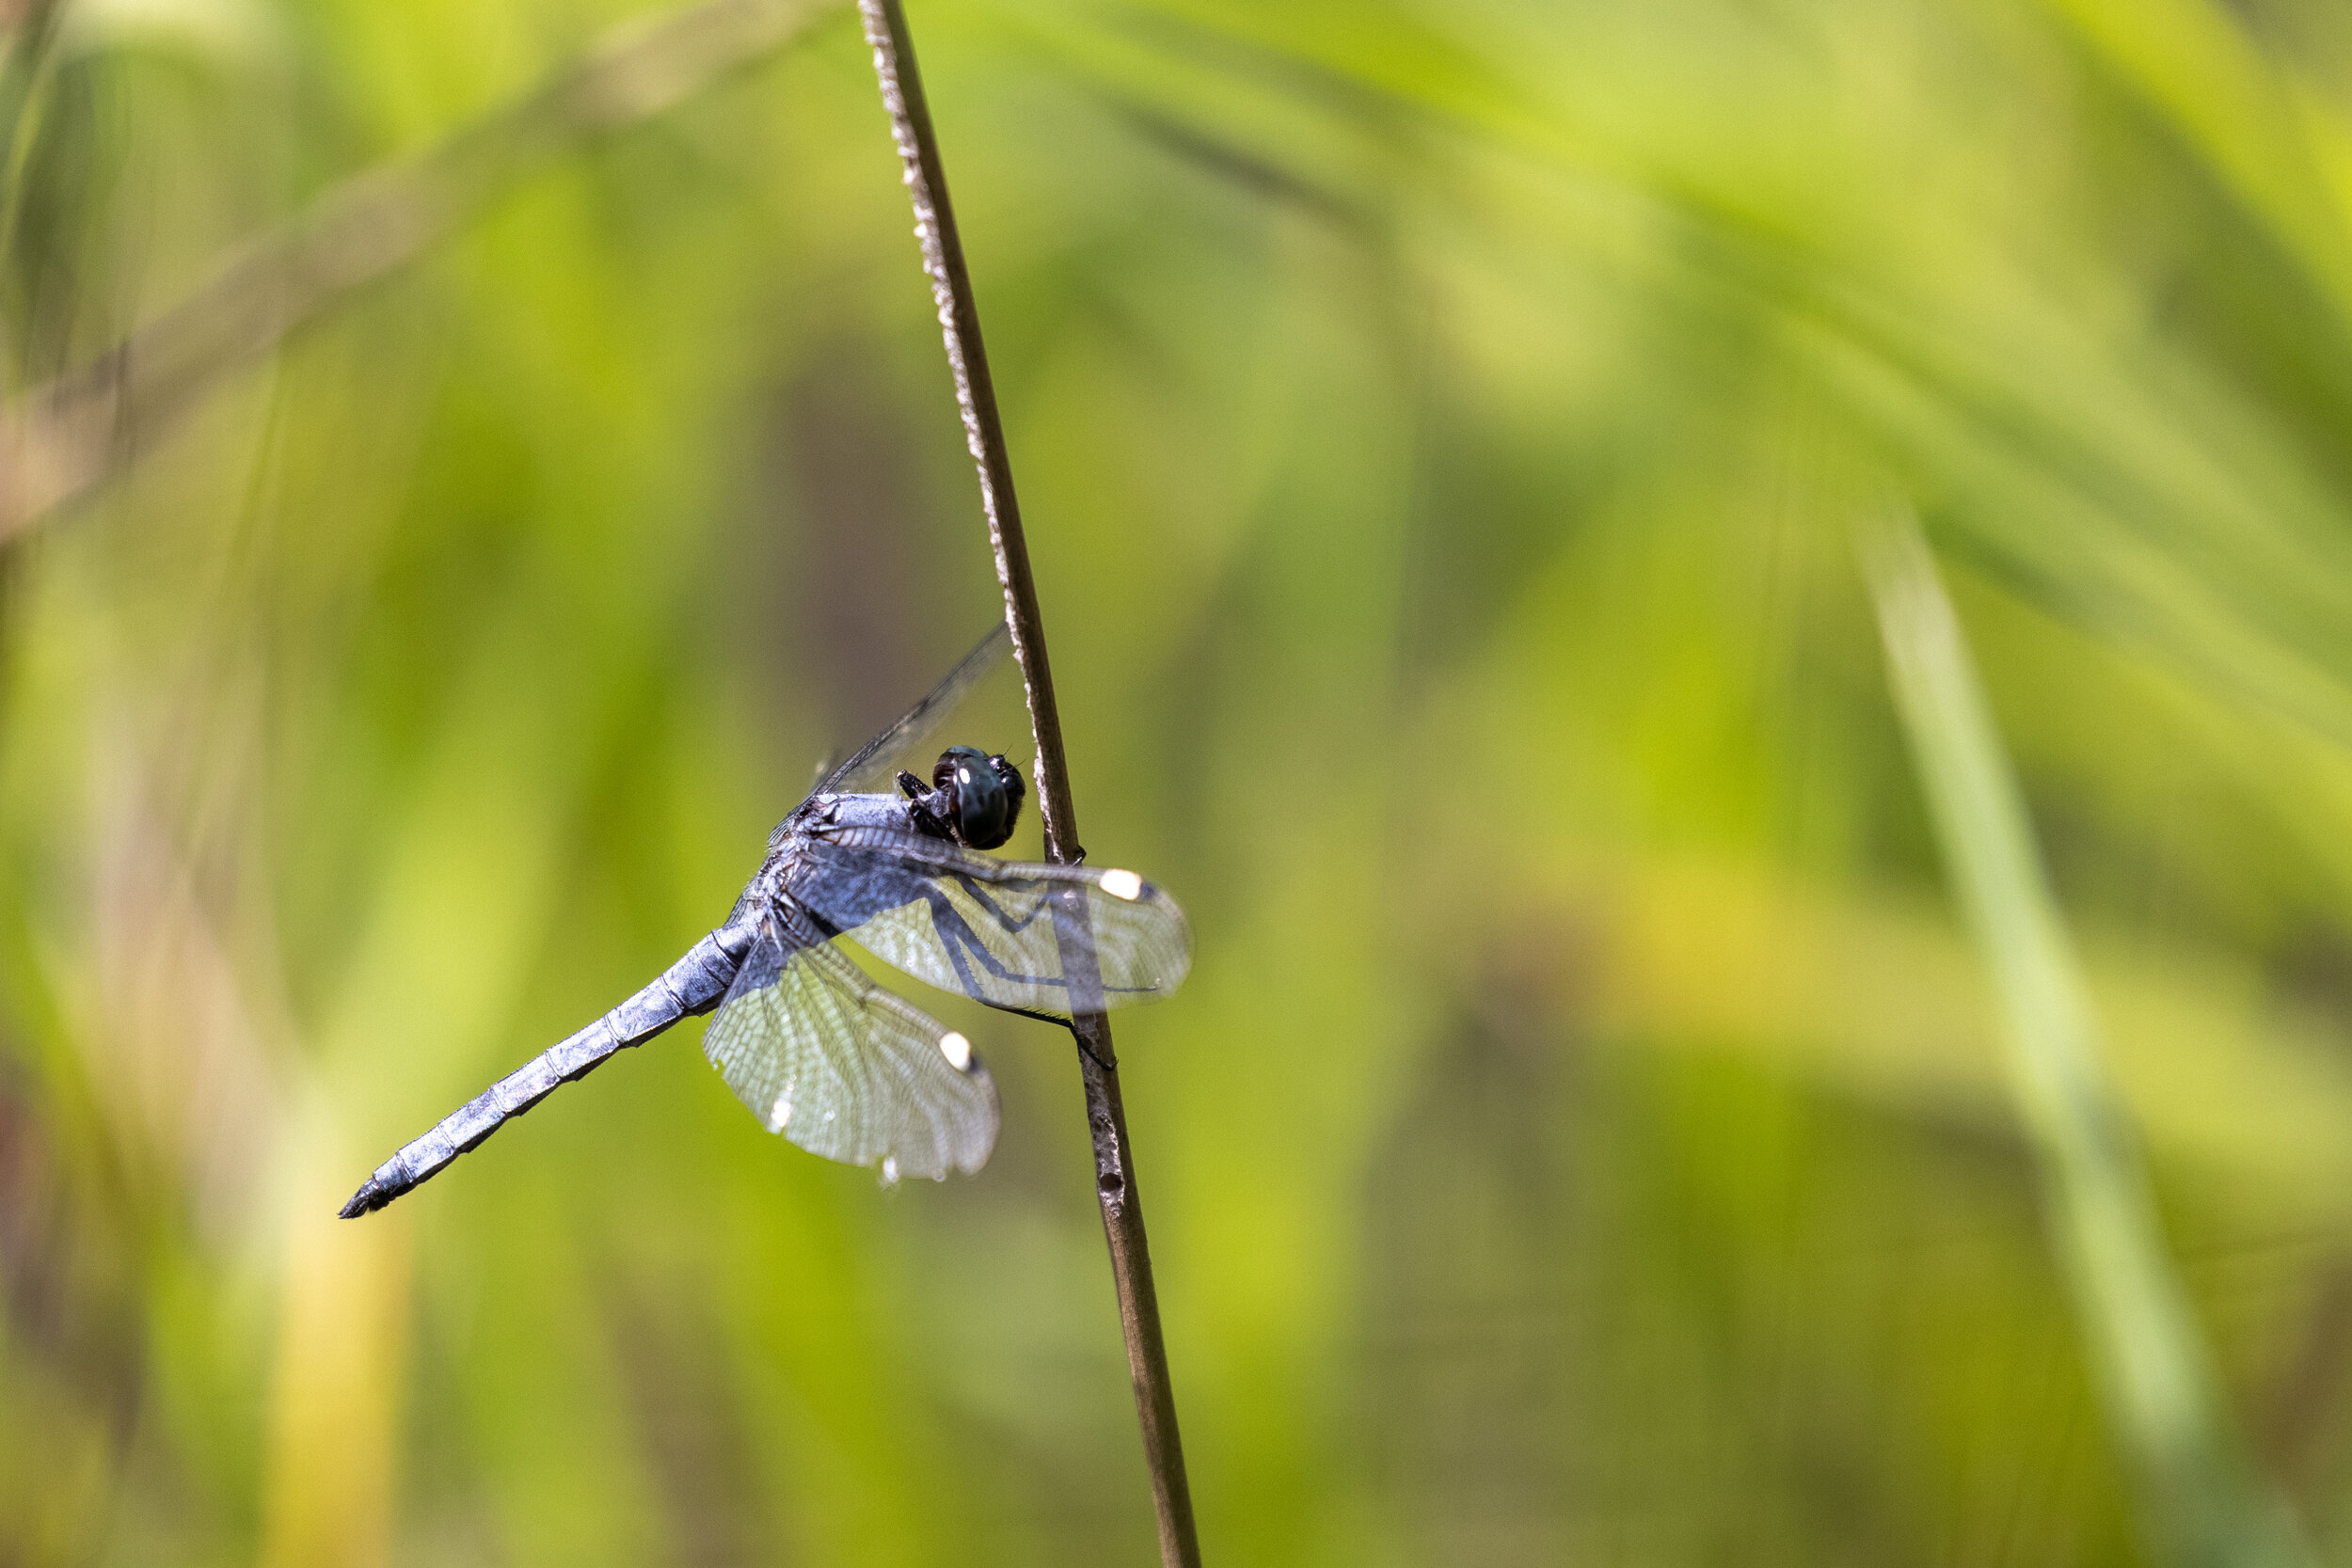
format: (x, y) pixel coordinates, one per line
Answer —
(876, 764)
(1025, 936)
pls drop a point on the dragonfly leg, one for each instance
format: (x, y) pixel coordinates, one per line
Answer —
(963, 944)
(973, 890)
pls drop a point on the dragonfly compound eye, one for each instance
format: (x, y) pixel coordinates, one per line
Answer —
(984, 794)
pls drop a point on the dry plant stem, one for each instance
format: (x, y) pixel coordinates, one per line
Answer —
(60, 441)
(1114, 1164)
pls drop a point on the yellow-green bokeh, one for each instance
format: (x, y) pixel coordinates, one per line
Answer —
(1582, 1138)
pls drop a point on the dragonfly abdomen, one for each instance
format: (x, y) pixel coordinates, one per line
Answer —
(695, 984)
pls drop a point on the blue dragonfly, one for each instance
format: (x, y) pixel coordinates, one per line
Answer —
(837, 1064)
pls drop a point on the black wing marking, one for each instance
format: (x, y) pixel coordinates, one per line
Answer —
(1025, 936)
(844, 1068)
(876, 765)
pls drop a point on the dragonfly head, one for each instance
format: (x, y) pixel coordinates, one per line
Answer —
(983, 795)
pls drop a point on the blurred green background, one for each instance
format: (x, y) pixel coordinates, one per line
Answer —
(1584, 1138)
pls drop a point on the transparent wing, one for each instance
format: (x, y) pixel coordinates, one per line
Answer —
(875, 767)
(1021, 935)
(842, 1067)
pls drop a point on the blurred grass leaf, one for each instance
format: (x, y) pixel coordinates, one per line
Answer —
(2201, 1504)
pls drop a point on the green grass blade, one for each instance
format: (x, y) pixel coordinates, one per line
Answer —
(2201, 1504)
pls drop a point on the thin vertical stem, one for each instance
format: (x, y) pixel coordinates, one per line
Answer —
(984, 432)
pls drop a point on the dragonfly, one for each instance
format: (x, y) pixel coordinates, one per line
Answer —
(837, 1064)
